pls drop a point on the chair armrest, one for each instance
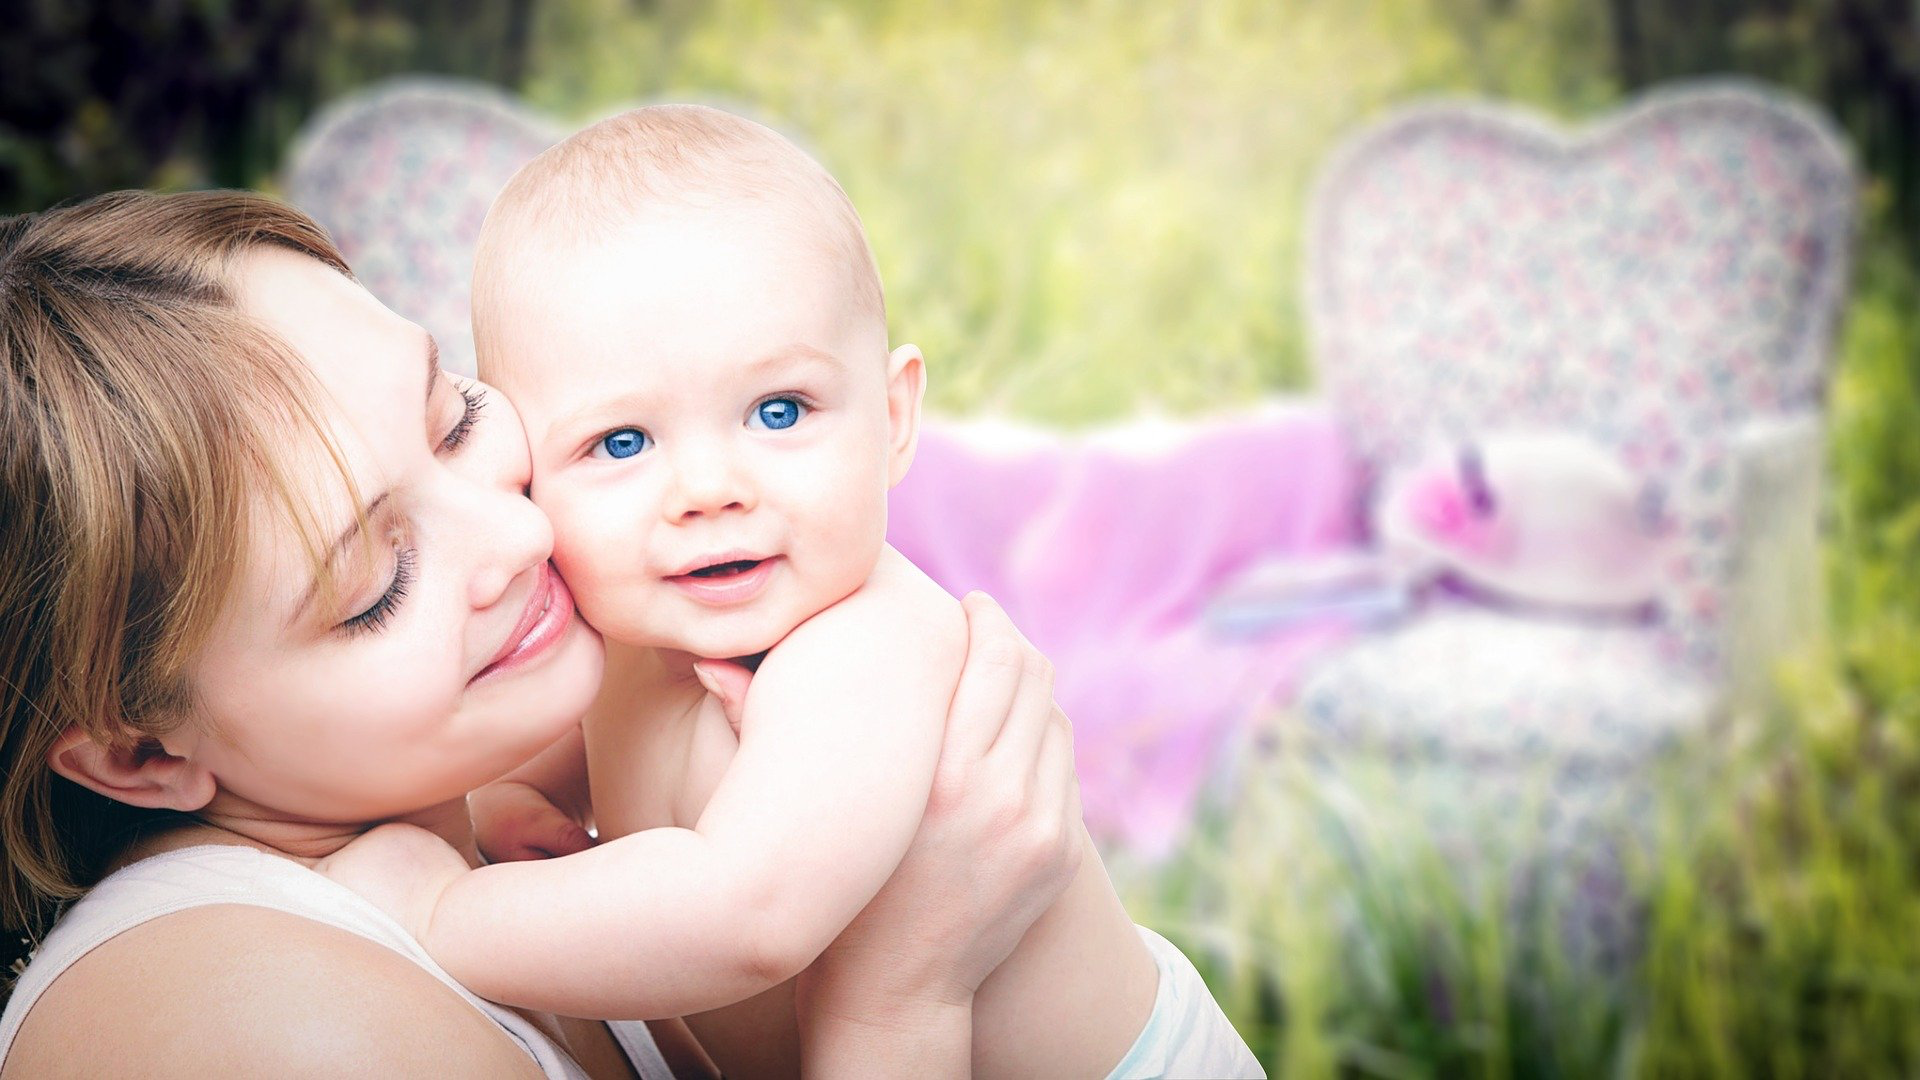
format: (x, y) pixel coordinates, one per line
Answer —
(1777, 598)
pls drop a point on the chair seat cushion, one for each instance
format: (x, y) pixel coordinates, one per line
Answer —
(1470, 685)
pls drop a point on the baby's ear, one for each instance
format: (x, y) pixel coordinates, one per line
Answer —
(906, 385)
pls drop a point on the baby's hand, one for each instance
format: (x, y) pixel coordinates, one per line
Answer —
(400, 869)
(727, 682)
(513, 821)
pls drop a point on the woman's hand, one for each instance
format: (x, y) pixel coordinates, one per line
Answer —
(1000, 840)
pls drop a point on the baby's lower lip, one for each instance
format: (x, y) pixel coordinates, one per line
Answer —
(735, 583)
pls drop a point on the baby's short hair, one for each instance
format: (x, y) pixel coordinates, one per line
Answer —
(597, 179)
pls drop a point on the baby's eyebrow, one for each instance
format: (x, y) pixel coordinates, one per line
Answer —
(591, 415)
(797, 353)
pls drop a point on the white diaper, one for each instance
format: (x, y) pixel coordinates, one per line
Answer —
(1187, 1036)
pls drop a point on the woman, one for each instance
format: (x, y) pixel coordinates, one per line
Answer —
(265, 574)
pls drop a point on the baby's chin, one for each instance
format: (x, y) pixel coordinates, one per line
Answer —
(710, 642)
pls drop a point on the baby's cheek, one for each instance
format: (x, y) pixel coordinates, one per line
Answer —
(602, 565)
(850, 538)
(574, 541)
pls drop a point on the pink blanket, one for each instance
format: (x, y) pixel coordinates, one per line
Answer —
(1105, 549)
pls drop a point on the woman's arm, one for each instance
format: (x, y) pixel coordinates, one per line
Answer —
(1000, 840)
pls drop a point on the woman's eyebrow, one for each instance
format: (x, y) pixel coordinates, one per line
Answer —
(433, 366)
(347, 536)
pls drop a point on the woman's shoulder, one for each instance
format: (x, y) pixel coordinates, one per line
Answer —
(231, 989)
(228, 960)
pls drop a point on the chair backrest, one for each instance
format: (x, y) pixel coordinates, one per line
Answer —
(402, 174)
(1650, 282)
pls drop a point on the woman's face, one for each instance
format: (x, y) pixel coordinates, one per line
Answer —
(448, 651)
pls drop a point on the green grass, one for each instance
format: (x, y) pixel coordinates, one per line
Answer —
(1083, 211)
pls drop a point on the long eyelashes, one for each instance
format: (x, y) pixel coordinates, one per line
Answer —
(405, 562)
(476, 399)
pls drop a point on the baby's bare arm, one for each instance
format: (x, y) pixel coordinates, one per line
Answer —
(837, 752)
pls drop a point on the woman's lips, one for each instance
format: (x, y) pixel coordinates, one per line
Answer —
(741, 581)
(549, 610)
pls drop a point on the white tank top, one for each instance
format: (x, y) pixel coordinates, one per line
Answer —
(227, 874)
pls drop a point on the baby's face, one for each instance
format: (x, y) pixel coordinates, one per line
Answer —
(714, 426)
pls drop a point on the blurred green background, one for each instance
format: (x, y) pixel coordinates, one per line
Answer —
(1087, 209)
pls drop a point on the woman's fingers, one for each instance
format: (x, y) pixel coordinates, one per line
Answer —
(1032, 706)
(996, 659)
(1056, 794)
(1054, 780)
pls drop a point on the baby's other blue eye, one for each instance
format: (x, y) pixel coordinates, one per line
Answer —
(623, 443)
(777, 413)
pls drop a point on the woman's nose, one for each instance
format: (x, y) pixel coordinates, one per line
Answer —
(507, 534)
(515, 538)
(512, 538)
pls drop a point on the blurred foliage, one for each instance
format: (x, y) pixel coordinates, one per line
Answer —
(1787, 893)
(1080, 210)
(104, 94)
(1089, 208)
(1859, 58)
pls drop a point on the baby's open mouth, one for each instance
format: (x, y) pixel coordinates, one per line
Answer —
(726, 569)
(732, 580)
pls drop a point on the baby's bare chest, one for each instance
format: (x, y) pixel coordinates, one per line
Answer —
(650, 770)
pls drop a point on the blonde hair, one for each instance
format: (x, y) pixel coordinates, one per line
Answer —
(138, 415)
(595, 181)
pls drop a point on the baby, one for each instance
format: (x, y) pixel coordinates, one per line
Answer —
(684, 310)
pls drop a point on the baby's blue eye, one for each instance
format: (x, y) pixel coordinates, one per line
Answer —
(623, 443)
(777, 413)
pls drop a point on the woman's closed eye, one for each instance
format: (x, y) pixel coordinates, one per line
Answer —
(474, 399)
(777, 413)
(405, 564)
(621, 444)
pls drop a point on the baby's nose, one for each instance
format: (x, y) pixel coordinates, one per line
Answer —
(708, 483)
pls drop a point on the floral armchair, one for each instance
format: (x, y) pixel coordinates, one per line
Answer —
(1665, 284)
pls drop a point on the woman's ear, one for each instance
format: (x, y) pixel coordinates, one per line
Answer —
(140, 774)
(906, 385)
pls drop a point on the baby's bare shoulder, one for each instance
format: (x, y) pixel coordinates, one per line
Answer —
(401, 869)
(896, 599)
(898, 612)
